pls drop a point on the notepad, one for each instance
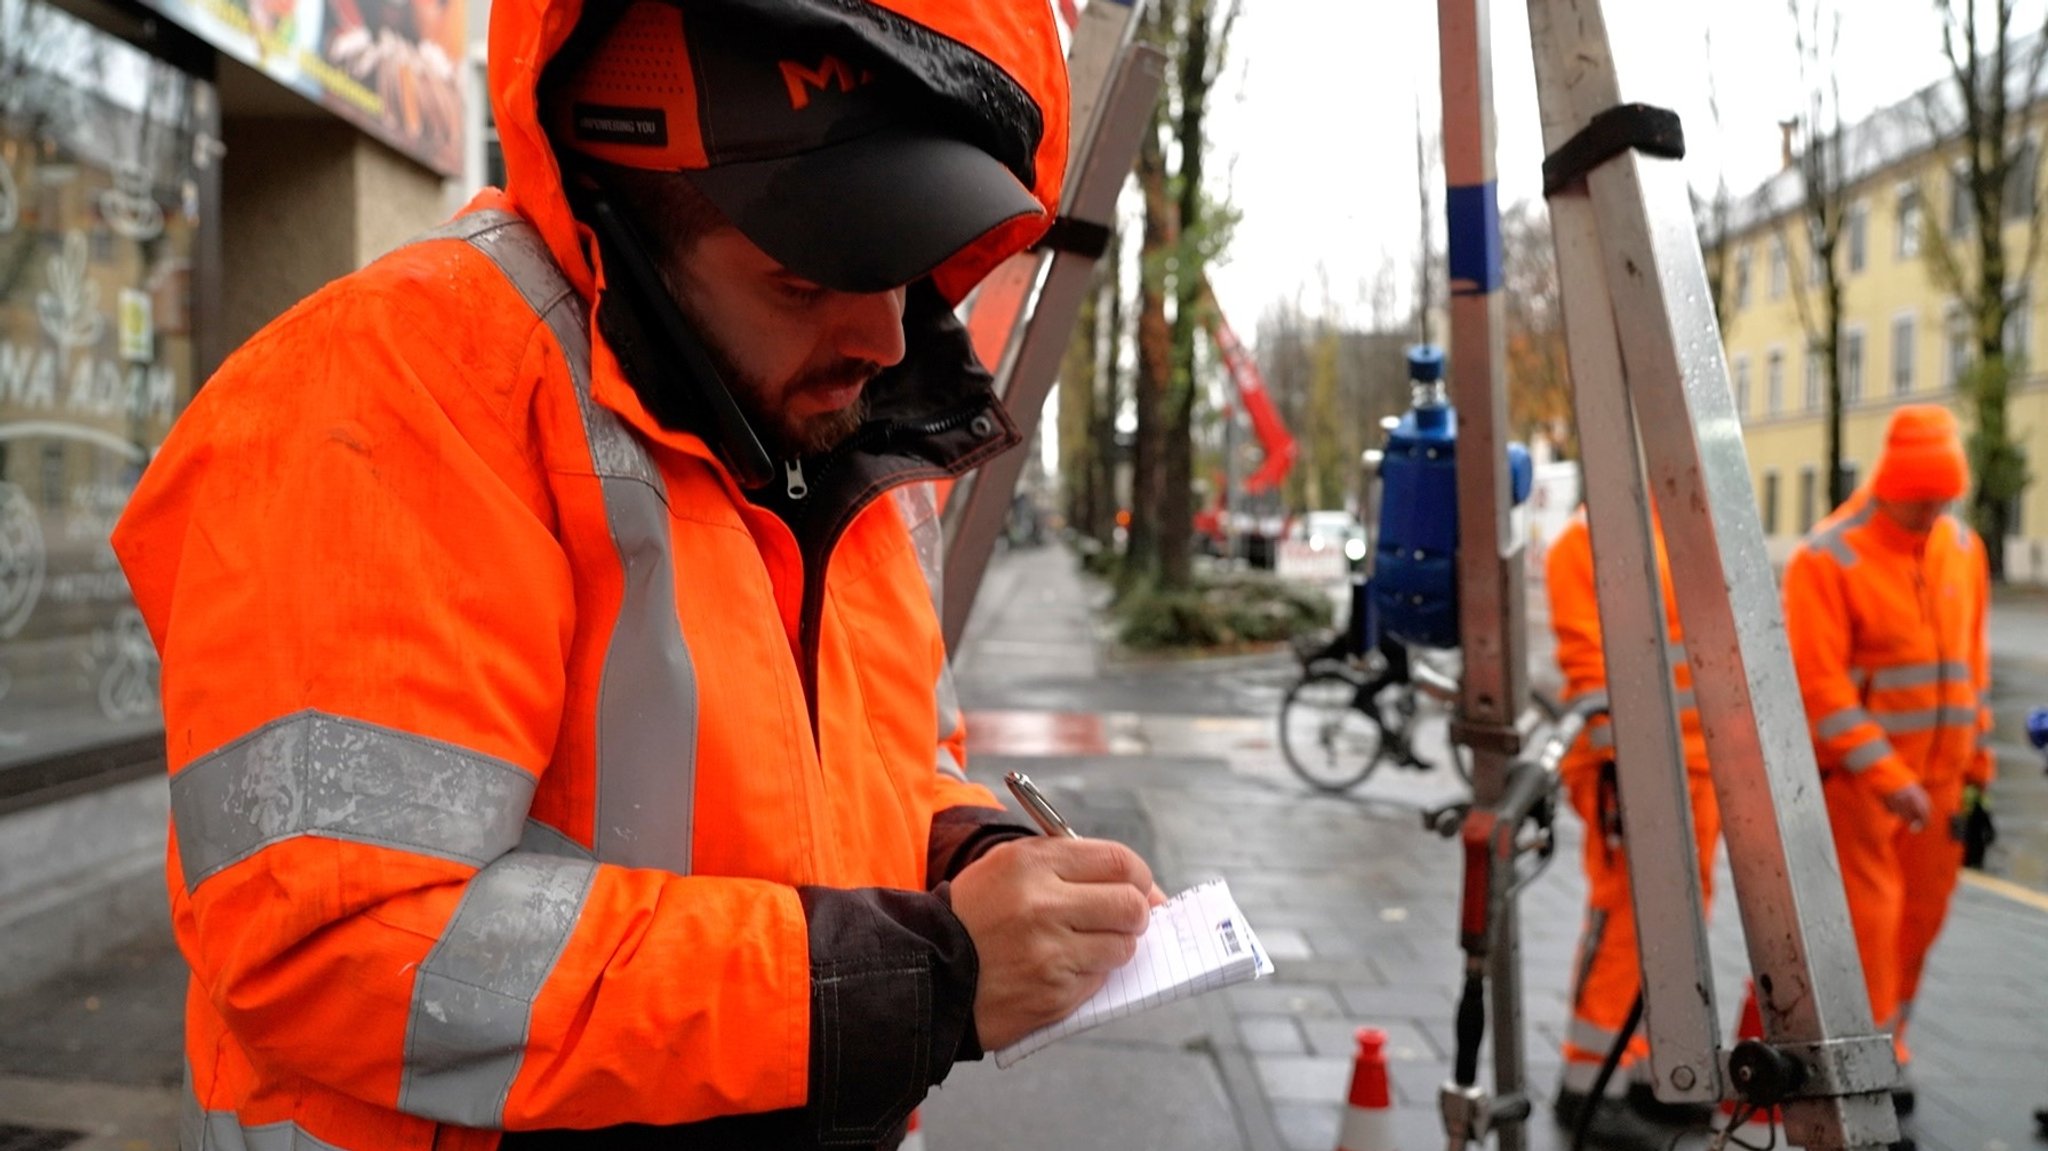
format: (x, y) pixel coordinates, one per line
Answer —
(1198, 941)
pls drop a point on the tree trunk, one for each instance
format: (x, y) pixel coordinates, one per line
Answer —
(1107, 458)
(1077, 412)
(1176, 481)
(1155, 366)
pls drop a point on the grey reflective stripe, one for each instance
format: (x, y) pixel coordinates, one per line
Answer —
(1687, 700)
(203, 1130)
(541, 839)
(1590, 1036)
(472, 1001)
(1928, 718)
(646, 735)
(1676, 652)
(1918, 675)
(339, 778)
(1865, 756)
(1841, 723)
(1834, 540)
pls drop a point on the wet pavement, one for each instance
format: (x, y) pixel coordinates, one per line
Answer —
(1357, 904)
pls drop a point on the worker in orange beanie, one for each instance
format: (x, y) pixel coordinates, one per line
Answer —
(1885, 608)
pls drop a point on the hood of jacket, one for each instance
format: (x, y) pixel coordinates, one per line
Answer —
(996, 68)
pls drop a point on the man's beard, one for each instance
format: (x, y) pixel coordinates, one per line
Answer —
(786, 436)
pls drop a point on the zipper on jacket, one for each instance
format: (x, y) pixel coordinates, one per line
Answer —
(810, 616)
(793, 474)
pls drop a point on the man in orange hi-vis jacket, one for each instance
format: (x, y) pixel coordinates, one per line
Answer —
(560, 736)
(1885, 607)
(1608, 973)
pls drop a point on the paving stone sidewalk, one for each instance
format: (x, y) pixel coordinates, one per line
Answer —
(1357, 904)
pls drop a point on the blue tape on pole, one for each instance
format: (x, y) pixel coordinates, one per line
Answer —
(1474, 212)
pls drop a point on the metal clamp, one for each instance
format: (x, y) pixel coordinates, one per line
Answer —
(1769, 1073)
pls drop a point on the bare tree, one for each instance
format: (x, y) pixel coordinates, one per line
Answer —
(1538, 370)
(1712, 212)
(1991, 86)
(1204, 226)
(1816, 267)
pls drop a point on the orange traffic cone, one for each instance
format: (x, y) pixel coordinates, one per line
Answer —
(1369, 1114)
(914, 1141)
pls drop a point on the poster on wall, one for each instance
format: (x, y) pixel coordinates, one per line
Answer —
(387, 65)
(101, 221)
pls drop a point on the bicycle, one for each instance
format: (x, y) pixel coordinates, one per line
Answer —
(1349, 713)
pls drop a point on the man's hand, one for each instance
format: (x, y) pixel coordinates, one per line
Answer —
(1050, 919)
(1911, 804)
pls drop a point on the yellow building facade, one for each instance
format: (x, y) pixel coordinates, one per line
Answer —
(1903, 337)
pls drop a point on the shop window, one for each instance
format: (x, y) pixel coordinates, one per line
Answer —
(1770, 497)
(103, 227)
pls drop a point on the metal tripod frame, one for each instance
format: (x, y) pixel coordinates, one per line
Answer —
(1660, 436)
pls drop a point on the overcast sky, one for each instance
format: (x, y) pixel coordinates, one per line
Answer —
(1313, 131)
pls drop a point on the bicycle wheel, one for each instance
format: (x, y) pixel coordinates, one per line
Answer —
(1328, 742)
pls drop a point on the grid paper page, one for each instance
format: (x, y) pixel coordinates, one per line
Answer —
(1197, 941)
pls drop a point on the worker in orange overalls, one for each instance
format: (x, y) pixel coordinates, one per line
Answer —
(1885, 607)
(1608, 975)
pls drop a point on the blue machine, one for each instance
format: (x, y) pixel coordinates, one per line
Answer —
(1415, 566)
(2037, 728)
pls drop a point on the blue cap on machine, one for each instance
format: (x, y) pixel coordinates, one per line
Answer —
(1425, 363)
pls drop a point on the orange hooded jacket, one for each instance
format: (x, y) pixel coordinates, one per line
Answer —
(525, 773)
(1887, 630)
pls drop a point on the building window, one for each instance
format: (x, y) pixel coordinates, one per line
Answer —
(1774, 382)
(1741, 387)
(2020, 180)
(1851, 476)
(1960, 210)
(1771, 502)
(1902, 356)
(1809, 499)
(1742, 277)
(1906, 243)
(1816, 363)
(2019, 330)
(1856, 235)
(1852, 367)
(108, 228)
(1777, 267)
(1955, 360)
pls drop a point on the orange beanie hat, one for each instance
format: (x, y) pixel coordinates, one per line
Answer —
(1923, 456)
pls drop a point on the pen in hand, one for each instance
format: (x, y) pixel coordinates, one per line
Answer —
(1041, 811)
